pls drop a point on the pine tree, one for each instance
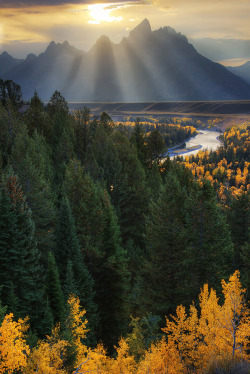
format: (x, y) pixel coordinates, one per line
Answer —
(139, 139)
(9, 244)
(162, 283)
(3, 310)
(107, 123)
(105, 154)
(155, 146)
(10, 93)
(12, 300)
(74, 274)
(209, 251)
(9, 125)
(81, 124)
(53, 291)
(31, 161)
(245, 256)
(57, 104)
(154, 181)
(62, 139)
(130, 195)
(36, 118)
(70, 282)
(99, 238)
(239, 219)
(47, 319)
(20, 273)
(92, 168)
(87, 211)
(112, 279)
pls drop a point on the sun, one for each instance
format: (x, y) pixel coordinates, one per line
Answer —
(101, 12)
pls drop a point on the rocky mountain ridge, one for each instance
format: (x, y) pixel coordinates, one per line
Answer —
(159, 65)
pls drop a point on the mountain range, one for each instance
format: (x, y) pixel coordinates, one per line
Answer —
(148, 65)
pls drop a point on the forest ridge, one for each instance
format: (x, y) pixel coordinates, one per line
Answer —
(102, 236)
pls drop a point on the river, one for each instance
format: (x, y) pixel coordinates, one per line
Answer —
(206, 139)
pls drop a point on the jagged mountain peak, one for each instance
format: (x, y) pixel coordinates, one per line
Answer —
(169, 33)
(65, 47)
(143, 28)
(102, 44)
(52, 44)
(66, 44)
(7, 62)
(5, 54)
(31, 57)
(7, 57)
(103, 39)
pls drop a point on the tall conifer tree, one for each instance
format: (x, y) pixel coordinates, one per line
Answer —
(130, 195)
(20, 272)
(86, 207)
(31, 161)
(112, 279)
(209, 251)
(73, 271)
(161, 285)
(53, 291)
(239, 220)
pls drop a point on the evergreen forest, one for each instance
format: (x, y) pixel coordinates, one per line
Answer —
(114, 258)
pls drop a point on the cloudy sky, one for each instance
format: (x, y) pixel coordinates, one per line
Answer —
(29, 25)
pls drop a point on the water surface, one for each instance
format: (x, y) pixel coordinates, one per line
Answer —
(205, 140)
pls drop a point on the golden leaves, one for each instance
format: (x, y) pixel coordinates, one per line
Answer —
(194, 340)
(48, 357)
(218, 334)
(13, 348)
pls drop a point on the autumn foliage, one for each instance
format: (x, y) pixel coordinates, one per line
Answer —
(227, 168)
(48, 356)
(218, 334)
(14, 350)
(194, 340)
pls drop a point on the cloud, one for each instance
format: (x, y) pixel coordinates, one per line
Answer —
(35, 3)
(59, 20)
(233, 61)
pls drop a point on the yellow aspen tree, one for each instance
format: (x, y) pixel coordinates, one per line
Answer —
(96, 361)
(209, 347)
(161, 358)
(219, 335)
(77, 325)
(124, 363)
(13, 347)
(183, 332)
(49, 355)
(176, 330)
(234, 320)
(224, 330)
(193, 357)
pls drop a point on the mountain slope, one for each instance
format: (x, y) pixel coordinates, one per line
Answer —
(146, 66)
(7, 62)
(242, 71)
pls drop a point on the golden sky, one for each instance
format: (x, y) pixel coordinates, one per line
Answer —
(27, 26)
